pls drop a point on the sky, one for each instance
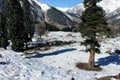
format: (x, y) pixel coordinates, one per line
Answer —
(62, 3)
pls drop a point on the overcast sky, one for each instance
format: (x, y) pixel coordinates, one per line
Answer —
(62, 3)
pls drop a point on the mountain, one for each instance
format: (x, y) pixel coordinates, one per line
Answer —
(37, 13)
(108, 5)
(42, 12)
(60, 18)
(114, 17)
(77, 10)
(73, 12)
(111, 7)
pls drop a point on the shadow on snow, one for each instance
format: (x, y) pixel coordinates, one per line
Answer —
(4, 63)
(38, 55)
(113, 58)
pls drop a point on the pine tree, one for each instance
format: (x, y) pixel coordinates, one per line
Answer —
(93, 23)
(3, 32)
(27, 21)
(15, 24)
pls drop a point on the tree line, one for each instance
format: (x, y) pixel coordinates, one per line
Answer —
(15, 24)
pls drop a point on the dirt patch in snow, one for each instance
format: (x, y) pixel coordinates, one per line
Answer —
(85, 67)
(109, 77)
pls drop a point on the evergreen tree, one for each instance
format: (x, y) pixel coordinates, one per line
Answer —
(93, 23)
(15, 24)
(3, 32)
(27, 21)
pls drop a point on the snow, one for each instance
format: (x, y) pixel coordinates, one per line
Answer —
(67, 56)
(118, 17)
(62, 9)
(69, 16)
(14, 66)
(110, 5)
(75, 10)
(64, 36)
(44, 6)
(58, 63)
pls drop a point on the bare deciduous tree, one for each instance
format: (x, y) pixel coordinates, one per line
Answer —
(40, 28)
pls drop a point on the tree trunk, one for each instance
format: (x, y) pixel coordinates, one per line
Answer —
(91, 58)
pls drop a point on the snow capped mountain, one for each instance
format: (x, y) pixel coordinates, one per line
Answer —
(114, 17)
(73, 12)
(36, 11)
(43, 6)
(46, 14)
(110, 5)
(63, 17)
(42, 12)
(77, 9)
(112, 8)
(62, 9)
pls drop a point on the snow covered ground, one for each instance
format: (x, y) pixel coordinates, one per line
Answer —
(14, 66)
(59, 62)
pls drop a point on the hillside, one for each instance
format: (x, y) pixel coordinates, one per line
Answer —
(54, 17)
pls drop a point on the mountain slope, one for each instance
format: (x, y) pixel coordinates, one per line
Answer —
(54, 16)
(41, 12)
(50, 15)
(36, 11)
(111, 7)
(108, 5)
(77, 9)
(114, 17)
(43, 6)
